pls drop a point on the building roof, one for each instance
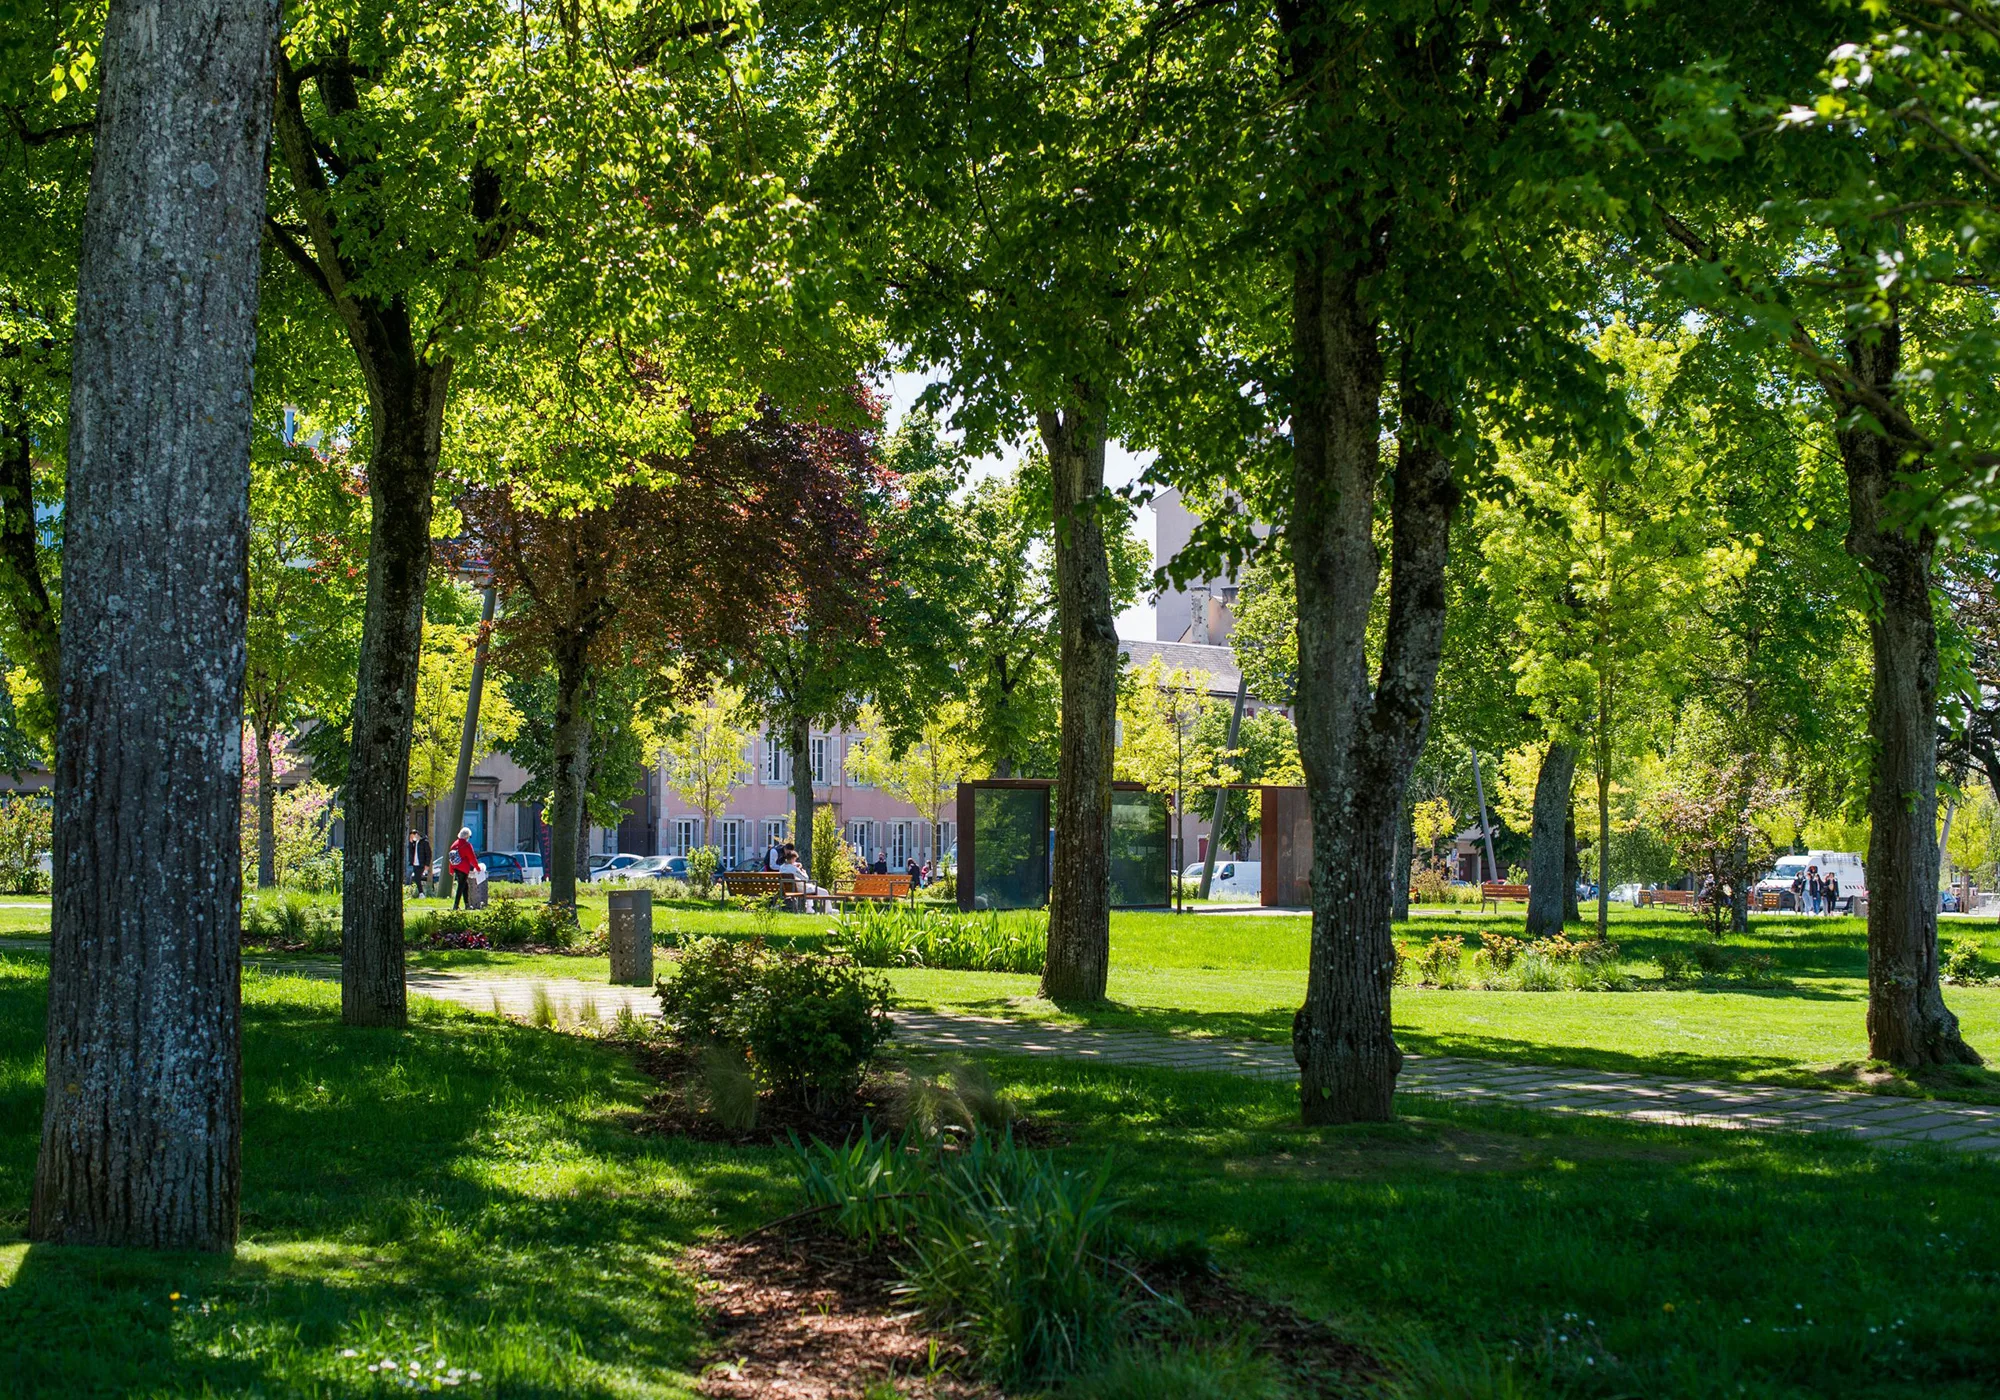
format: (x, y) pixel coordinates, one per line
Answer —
(1218, 661)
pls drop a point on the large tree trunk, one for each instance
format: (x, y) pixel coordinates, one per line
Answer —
(569, 807)
(798, 741)
(1079, 959)
(1908, 1022)
(1548, 842)
(267, 806)
(407, 403)
(142, 1119)
(1358, 748)
(29, 609)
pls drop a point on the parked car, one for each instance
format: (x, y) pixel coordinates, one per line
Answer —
(658, 868)
(1844, 866)
(1232, 877)
(1626, 894)
(530, 862)
(618, 867)
(503, 866)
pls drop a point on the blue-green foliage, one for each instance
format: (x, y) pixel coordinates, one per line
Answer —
(1000, 1245)
(903, 935)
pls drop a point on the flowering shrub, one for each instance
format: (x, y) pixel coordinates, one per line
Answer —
(1497, 950)
(467, 939)
(1438, 965)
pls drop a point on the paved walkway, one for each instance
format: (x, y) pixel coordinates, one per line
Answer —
(1646, 1098)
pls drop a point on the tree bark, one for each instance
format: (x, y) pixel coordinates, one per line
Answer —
(1572, 869)
(1908, 1022)
(142, 1121)
(267, 807)
(1399, 870)
(1079, 958)
(1357, 747)
(798, 741)
(569, 807)
(1548, 842)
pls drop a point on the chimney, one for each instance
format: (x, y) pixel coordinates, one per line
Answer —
(1198, 603)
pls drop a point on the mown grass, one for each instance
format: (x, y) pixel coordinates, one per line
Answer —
(464, 1191)
(1576, 1257)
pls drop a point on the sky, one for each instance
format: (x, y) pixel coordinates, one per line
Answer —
(1121, 468)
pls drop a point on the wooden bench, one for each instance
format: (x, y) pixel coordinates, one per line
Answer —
(762, 884)
(867, 886)
(1492, 892)
(1672, 899)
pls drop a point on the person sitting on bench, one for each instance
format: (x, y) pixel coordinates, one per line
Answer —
(789, 867)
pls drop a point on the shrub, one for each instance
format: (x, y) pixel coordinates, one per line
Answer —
(1534, 972)
(507, 923)
(810, 1022)
(1441, 960)
(27, 833)
(1964, 961)
(901, 935)
(703, 863)
(832, 863)
(1429, 883)
(1677, 967)
(1711, 957)
(1497, 950)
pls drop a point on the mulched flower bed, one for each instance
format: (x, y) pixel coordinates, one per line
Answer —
(807, 1315)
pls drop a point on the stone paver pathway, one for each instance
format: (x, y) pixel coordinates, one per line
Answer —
(1646, 1098)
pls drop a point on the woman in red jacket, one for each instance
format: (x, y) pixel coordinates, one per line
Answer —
(464, 860)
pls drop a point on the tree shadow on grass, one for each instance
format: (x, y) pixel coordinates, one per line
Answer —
(460, 1191)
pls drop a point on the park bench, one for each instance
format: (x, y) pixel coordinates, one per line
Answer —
(763, 884)
(1672, 899)
(867, 886)
(1493, 891)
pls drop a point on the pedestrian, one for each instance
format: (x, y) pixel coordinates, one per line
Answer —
(1830, 889)
(464, 860)
(881, 865)
(1813, 889)
(423, 862)
(916, 874)
(410, 857)
(1799, 893)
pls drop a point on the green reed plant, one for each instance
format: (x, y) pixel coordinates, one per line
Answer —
(926, 935)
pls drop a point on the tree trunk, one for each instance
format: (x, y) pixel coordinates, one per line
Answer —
(267, 806)
(1358, 748)
(1079, 958)
(569, 807)
(27, 595)
(1908, 1022)
(401, 468)
(798, 741)
(1399, 871)
(1739, 897)
(142, 1121)
(1548, 842)
(1572, 868)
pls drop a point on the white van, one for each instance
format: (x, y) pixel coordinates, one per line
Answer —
(531, 866)
(1844, 866)
(1232, 877)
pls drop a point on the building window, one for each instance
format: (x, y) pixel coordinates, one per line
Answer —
(947, 838)
(857, 782)
(527, 826)
(774, 834)
(899, 845)
(777, 762)
(861, 836)
(729, 836)
(687, 835)
(610, 840)
(818, 751)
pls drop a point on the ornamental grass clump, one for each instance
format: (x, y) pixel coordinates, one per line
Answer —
(997, 1244)
(924, 935)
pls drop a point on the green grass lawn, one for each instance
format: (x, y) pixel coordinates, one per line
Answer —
(463, 1192)
(1606, 1259)
(467, 1192)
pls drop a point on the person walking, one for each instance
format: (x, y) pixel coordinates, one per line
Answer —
(410, 857)
(1813, 890)
(1799, 893)
(424, 856)
(1830, 891)
(464, 860)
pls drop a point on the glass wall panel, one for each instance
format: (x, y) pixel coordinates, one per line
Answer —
(1139, 850)
(1010, 842)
